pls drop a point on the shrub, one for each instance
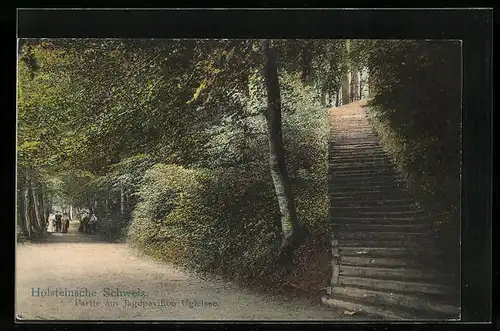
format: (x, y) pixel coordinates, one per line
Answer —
(112, 226)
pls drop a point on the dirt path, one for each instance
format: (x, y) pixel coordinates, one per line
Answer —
(77, 262)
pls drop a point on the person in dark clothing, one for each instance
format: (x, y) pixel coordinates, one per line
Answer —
(58, 222)
(65, 223)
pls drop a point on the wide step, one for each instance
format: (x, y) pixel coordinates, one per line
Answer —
(373, 311)
(401, 273)
(393, 286)
(379, 261)
(390, 252)
(378, 225)
(423, 307)
(410, 244)
(383, 236)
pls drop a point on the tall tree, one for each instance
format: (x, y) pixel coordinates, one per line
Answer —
(292, 230)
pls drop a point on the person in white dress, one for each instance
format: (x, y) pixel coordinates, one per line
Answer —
(51, 220)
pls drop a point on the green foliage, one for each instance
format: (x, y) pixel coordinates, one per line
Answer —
(112, 227)
(306, 140)
(416, 110)
(418, 96)
(223, 215)
(201, 218)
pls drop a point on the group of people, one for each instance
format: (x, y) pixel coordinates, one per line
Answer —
(88, 223)
(57, 223)
(60, 223)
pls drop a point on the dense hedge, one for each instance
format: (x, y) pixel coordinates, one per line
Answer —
(416, 111)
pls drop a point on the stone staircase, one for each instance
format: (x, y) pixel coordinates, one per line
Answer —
(385, 264)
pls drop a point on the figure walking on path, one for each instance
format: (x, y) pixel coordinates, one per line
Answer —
(51, 226)
(65, 223)
(92, 224)
(58, 222)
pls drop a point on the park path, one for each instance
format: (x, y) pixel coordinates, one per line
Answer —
(75, 261)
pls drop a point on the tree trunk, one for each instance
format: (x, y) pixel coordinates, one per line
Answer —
(45, 204)
(366, 80)
(21, 220)
(27, 211)
(35, 211)
(292, 231)
(306, 62)
(361, 88)
(346, 77)
(345, 87)
(43, 208)
(356, 85)
(36, 208)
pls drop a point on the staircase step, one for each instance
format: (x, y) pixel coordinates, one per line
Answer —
(377, 153)
(388, 186)
(362, 166)
(375, 213)
(365, 196)
(383, 216)
(346, 137)
(365, 190)
(373, 311)
(338, 136)
(385, 236)
(344, 166)
(355, 152)
(358, 136)
(348, 140)
(339, 224)
(373, 175)
(425, 308)
(401, 273)
(340, 211)
(402, 243)
(377, 209)
(392, 227)
(368, 200)
(342, 202)
(365, 161)
(355, 176)
(387, 182)
(367, 261)
(393, 286)
(358, 172)
(336, 155)
(358, 132)
(354, 148)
